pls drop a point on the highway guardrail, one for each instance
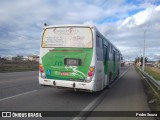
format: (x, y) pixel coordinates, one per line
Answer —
(151, 79)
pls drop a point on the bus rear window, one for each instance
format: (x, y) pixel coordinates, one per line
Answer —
(79, 37)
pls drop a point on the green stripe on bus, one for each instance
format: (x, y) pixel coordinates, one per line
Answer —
(53, 63)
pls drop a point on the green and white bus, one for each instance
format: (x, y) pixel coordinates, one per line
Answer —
(77, 57)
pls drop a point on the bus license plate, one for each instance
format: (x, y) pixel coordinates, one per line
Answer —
(64, 73)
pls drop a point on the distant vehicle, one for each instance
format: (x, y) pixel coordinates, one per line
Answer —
(78, 57)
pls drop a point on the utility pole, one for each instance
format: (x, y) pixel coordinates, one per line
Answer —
(143, 66)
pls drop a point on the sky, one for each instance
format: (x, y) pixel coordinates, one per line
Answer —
(123, 22)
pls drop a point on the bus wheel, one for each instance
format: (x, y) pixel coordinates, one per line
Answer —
(117, 74)
(109, 81)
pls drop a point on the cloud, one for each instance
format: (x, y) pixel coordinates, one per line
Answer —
(143, 18)
(121, 21)
(129, 33)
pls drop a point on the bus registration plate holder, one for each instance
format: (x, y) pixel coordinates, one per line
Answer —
(64, 73)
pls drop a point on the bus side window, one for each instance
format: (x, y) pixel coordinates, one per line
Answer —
(101, 41)
(114, 55)
(105, 53)
(99, 48)
(97, 42)
(110, 52)
(110, 48)
(119, 59)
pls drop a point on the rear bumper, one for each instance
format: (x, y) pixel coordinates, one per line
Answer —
(67, 84)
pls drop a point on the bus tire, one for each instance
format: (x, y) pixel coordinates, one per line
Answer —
(109, 81)
(118, 73)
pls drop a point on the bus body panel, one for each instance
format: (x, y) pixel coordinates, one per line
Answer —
(69, 67)
(55, 68)
(99, 75)
(68, 84)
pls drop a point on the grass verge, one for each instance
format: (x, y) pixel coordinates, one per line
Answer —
(155, 73)
(18, 67)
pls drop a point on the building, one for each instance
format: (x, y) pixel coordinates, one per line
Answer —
(33, 58)
(8, 57)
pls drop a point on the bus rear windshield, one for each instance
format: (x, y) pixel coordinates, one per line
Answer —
(78, 37)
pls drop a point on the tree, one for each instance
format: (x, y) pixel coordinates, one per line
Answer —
(18, 58)
(137, 59)
(146, 60)
(140, 60)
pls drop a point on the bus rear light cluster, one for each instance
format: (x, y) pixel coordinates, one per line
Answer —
(90, 74)
(41, 69)
(91, 71)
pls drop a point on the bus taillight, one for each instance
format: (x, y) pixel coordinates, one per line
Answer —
(91, 70)
(41, 69)
(90, 73)
(40, 66)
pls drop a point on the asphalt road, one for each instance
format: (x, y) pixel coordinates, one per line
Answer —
(18, 82)
(21, 92)
(126, 95)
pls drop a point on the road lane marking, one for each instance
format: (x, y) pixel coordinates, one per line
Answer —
(17, 95)
(96, 101)
(124, 73)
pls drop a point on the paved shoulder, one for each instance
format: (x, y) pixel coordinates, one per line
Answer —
(126, 95)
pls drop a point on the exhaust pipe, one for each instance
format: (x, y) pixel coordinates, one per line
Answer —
(74, 85)
(54, 83)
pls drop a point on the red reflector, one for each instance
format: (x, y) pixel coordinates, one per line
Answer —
(90, 74)
(41, 70)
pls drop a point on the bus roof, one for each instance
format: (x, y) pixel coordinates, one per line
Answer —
(69, 25)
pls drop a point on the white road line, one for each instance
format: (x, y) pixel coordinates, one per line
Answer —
(124, 73)
(96, 101)
(17, 95)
